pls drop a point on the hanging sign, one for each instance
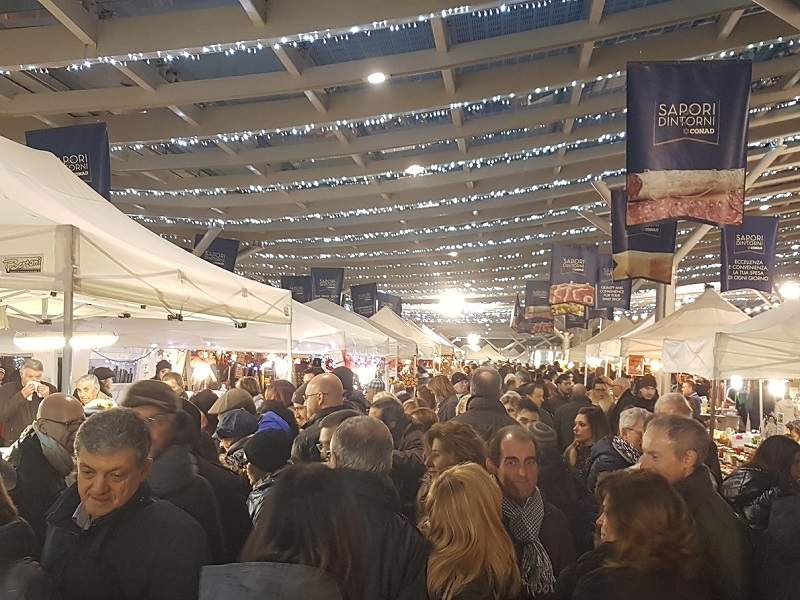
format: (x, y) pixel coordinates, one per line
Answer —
(538, 314)
(392, 301)
(748, 254)
(635, 365)
(611, 294)
(516, 315)
(687, 141)
(640, 251)
(575, 321)
(600, 313)
(82, 148)
(365, 299)
(299, 285)
(573, 278)
(327, 283)
(221, 252)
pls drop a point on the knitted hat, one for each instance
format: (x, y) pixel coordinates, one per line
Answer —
(236, 424)
(235, 398)
(376, 385)
(458, 377)
(163, 364)
(646, 381)
(204, 400)
(103, 373)
(268, 450)
(152, 393)
(544, 434)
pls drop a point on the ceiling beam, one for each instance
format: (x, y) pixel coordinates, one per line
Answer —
(783, 9)
(256, 10)
(602, 224)
(188, 114)
(142, 74)
(206, 241)
(727, 22)
(72, 15)
(596, 11)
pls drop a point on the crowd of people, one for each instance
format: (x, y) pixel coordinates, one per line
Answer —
(490, 484)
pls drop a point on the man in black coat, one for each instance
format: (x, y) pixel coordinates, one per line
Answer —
(566, 413)
(540, 531)
(107, 537)
(395, 551)
(562, 393)
(43, 459)
(675, 447)
(485, 413)
(645, 397)
(19, 400)
(324, 395)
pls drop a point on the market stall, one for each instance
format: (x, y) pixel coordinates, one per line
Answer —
(485, 354)
(427, 349)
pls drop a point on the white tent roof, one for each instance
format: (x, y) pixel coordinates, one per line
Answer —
(446, 347)
(406, 348)
(485, 353)
(708, 314)
(599, 346)
(116, 258)
(426, 347)
(764, 347)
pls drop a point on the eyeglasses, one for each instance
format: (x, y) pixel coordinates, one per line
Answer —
(307, 396)
(73, 425)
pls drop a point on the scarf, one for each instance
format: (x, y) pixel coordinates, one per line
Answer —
(630, 453)
(524, 523)
(54, 453)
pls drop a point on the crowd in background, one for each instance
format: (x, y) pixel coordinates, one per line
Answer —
(506, 483)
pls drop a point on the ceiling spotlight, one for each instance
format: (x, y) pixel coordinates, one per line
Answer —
(452, 254)
(376, 78)
(790, 290)
(414, 169)
(764, 207)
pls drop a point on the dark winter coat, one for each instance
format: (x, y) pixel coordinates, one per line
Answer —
(20, 577)
(565, 419)
(557, 485)
(588, 562)
(751, 491)
(626, 400)
(231, 491)
(16, 412)
(174, 477)
(395, 552)
(620, 583)
(722, 534)
(778, 567)
(486, 416)
(304, 448)
(147, 549)
(554, 401)
(261, 580)
(447, 410)
(408, 463)
(259, 493)
(38, 486)
(603, 460)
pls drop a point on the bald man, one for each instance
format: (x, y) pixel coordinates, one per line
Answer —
(324, 396)
(676, 404)
(43, 457)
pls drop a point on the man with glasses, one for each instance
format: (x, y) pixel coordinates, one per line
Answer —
(43, 458)
(20, 400)
(326, 428)
(324, 396)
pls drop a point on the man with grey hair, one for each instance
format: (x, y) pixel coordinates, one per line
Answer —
(20, 400)
(107, 536)
(485, 413)
(90, 393)
(395, 553)
(620, 451)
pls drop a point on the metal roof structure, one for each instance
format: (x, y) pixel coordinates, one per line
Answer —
(254, 119)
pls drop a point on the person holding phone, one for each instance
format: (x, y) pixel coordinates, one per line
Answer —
(20, 401)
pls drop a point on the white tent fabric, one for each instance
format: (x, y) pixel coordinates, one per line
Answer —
(612, 349)
(426, 347)
(116, 258)
(709, 313)
(594, 347)
(406, 348)
(446, 347)
(764, 347)
(484, 354)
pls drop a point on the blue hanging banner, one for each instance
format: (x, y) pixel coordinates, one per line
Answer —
(365, 299)
(748, 254)
(392, 301)
(299, 285)
(82, 148)
(221, 252)
(686, 141)
(573, 278)
(327, 283)
(538, 315)
(611, 294)
(640, 251)
(572, 321)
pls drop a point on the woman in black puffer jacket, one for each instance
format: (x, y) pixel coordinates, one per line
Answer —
(773, 473)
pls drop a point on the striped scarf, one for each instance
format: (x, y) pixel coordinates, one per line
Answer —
(525, 523)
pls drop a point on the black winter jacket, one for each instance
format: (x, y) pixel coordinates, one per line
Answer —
(588, 562)
(146, 550)
(20, 577)
(604, 459)
(778, 568)
(408, 463)
(486, 417)
(395, 552)
(304, 448)
(565, 419)
(751, 491)
(619, 583)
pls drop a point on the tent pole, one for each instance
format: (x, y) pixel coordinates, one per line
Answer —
(760, 402)
(69, 252)
(712, 408)
(290, 346)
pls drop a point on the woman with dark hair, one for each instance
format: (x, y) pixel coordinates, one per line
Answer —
(425, 397)
(650, 547)
(773, 472)
(307, 544)
(252, 387)
(445, 397)
(591, 426)
(280, 391)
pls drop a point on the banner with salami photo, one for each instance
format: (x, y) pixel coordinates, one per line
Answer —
(687, 141)
(538, 314)
(327, 283)
(640, 251)
(573, 279)
(299, 285)
(611, 293)
(748, 254)
(365, 299)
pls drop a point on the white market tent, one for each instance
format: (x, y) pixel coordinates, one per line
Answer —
(709, 313)
(446, 347)
(427, 349)
(599, 346)
(764, 347)
(484, 354)
(406, 348)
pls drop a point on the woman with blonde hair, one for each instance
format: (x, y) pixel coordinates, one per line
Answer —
(472, 557)
(446, 397)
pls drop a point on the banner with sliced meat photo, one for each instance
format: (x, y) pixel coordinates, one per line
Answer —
(640, 251)
(687, 141)
(538, 316)
(748, 254)
(611, 293)
(573, 278)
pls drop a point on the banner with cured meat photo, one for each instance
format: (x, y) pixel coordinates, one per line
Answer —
(748, 254)
(611, 293)
(687, 141)
(538, 316)
(640, 251)
(573, 278)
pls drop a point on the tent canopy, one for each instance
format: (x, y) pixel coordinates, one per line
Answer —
(764, 347)
(426, 347)
(446, 347)
(51, 219)
(709, 313)
(598, 345)
(484, 354)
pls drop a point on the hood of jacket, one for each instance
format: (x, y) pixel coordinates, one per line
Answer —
(17, 540)
(747, 483)
(603, 447)
(173, 470)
